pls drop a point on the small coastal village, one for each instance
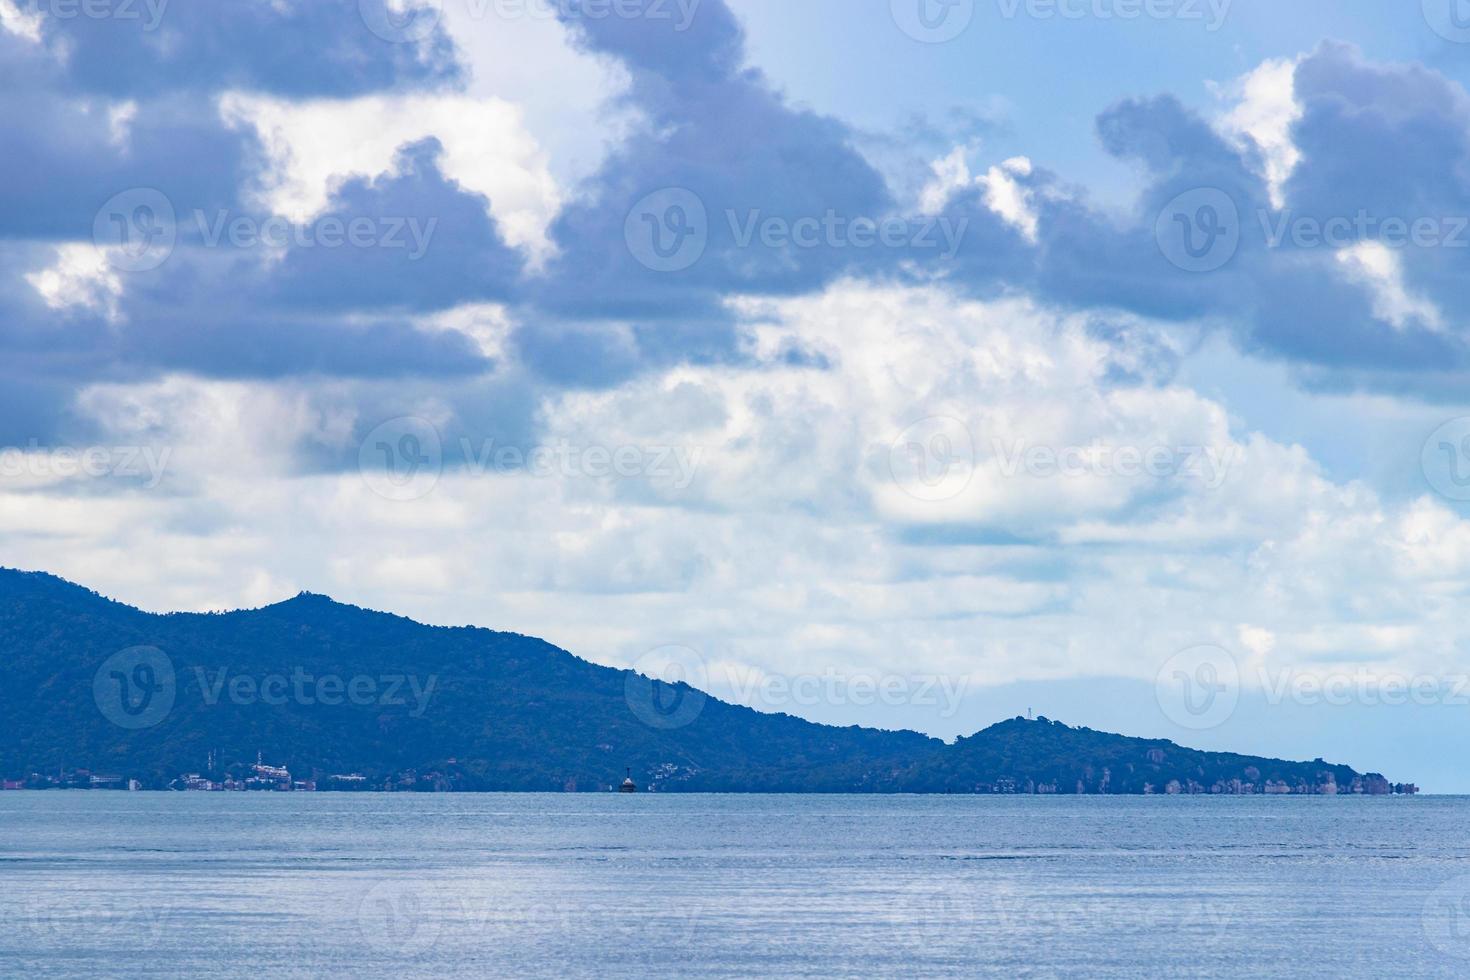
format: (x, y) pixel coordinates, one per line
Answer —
(256, 777)
(262, 776)
(1371, 784)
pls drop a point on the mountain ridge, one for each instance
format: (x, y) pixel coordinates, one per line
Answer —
(327, 688)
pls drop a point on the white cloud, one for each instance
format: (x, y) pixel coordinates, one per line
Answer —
(576, 118)
(507, 133)
(315, 145)
(951, 175)
(120, 118)
(489, 325)
(1006, 197)
(15, 18)
(80, 277)
(1265, 109)
(1381, 269)
(1004, 194)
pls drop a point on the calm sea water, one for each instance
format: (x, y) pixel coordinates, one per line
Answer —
(144, 884)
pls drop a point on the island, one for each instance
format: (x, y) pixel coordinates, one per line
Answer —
(312, 694)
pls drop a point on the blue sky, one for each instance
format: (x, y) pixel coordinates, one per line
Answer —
(1035, 358)
(1054, 75)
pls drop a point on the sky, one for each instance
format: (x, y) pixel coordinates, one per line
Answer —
(895, 362)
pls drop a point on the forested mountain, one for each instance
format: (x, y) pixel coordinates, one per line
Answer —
(322, 689)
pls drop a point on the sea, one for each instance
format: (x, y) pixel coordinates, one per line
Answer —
(263, 885)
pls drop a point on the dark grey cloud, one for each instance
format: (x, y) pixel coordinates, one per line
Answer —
(722, 156)
(295, 48)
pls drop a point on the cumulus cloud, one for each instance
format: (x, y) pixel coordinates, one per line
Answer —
(800, 538)
(315, 146)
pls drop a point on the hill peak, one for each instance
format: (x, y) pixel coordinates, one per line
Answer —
(315, 609)
(306, 599)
